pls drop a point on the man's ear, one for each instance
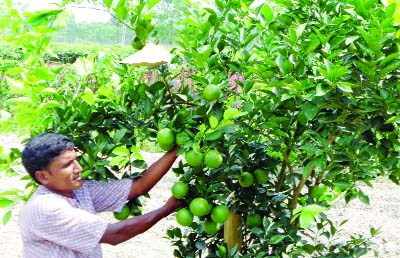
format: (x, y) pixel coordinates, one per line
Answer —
(42, 176)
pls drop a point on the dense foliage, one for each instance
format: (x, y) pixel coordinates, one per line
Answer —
(308, 93)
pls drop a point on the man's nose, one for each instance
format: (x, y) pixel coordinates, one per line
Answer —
(77, 167)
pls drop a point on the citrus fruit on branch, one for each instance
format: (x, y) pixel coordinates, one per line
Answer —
(253, 220)
(213, 159)
(246, 179)
(211, 92)
(220, 213)
(123, 214)
(180, 190)
(199, 207)
(210, 227)
(261, 175)
(184, 217)
(166, 139)
(194, 158)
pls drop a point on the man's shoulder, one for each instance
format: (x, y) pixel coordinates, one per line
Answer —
(44, 201)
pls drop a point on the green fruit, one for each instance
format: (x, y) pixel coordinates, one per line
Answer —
(123, 214)
(261, 175)
(213, 159)
(211, 92)
(199, 207)
(180, 190)
(184, 217)
(220, 213)
(253, 220)
(167, 147)
(194, 158)
(246, 179)
(166, 137)
(222, 251)
(210, 227)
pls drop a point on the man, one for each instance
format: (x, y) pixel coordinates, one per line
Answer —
(59, 220)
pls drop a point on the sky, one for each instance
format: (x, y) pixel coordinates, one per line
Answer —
(81, 14)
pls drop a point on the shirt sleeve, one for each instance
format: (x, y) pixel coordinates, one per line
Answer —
(110, 196)
(60, 223)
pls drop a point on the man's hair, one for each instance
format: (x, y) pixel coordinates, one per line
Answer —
(42, 149)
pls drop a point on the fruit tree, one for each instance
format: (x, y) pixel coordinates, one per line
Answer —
(287, 106)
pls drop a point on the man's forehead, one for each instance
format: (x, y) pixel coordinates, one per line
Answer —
(66, 154)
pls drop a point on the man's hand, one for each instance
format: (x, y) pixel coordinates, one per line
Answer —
(172, 204)
(126, 229)
(153, 174)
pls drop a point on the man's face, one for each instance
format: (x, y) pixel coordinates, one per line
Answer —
(63, 174)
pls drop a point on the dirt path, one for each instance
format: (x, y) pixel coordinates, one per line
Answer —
(383, 213)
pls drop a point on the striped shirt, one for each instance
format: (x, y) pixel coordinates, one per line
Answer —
(55, 226)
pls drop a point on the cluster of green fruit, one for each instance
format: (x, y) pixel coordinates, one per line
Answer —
(200, 208)
(167, 140)
(212, 216)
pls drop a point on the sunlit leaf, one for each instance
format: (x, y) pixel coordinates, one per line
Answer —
(121, 151)
(4, 202)
(6, 217)
(213, 122)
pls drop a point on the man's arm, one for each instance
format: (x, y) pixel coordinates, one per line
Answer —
(124, 230)
(153, 174)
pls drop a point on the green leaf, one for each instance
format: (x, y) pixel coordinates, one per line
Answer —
(313, 43)
(345, 86)
(213, 122)
(220, 4)
(50, 104)
(365, 69)
(306, 219)
(231, 113)
(363, 197)
(308, 168)
(139, 164)
(121, 151)
(44, 74)
(375, 231)
(307, 214)
(119, 161)
(214, 135)
(19, 101)
(108, 3)
(7, 217)
(4, 202)
(310, 110)
(43, 17)
(267, 12)
(16, 87)
(314, 208)
(249, 38)
(300, 29)
(152, 3)
(351, 39)
(89, 96)
(394, 119)
(121, 10)
(321, 90)
(119, 135)
(276, 239)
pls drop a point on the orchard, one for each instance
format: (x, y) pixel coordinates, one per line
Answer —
(282, 107)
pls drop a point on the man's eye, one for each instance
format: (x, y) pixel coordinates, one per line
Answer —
(69, 163)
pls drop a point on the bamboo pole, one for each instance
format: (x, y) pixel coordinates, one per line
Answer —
(232, 232)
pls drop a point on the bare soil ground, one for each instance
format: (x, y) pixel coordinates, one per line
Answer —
(383, 213)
